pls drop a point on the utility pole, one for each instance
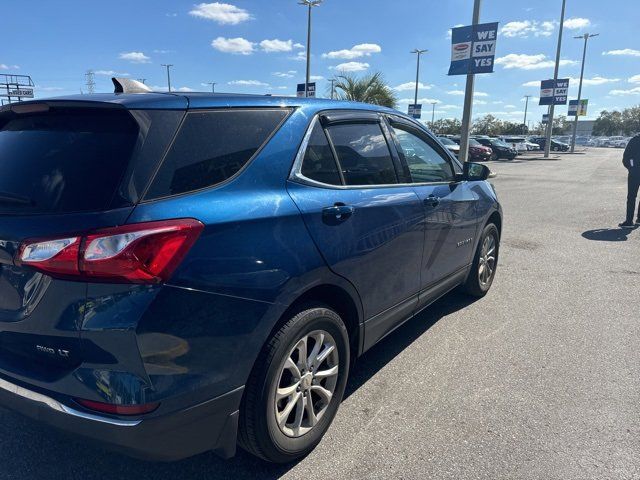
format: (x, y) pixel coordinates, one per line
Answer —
(433, 112)
(586, 38)
(90, 83)
(547, 143)
(526, 107)
(310, 4)
(142, 80)
(418, 52)
(168, 66)
(333, 81)
(468, 99)
(213, 87)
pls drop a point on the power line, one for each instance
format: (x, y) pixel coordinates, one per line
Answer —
(90, 82)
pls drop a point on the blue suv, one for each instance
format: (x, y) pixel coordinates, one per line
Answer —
(182, 273)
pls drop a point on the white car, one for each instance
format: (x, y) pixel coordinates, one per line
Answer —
(518, 143)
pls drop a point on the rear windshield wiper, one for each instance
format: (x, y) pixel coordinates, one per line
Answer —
(14, 199)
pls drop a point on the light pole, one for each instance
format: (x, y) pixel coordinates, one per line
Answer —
(310, 4)
(547, 143)
(333, 81)
(468, 99)
(526, 107)
(418, 52)
(168, 66)
(586, 38)
(433, 112)
(213, 87)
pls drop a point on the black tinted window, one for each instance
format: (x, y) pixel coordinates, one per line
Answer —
(63, 161)
(212, 147)
(363, 154)
(318, 163)
(425, 163)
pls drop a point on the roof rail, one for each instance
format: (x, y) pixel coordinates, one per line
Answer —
(127, 85)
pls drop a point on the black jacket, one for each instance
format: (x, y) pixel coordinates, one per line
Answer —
(632, 152)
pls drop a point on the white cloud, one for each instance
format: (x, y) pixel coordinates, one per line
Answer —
(423, 101)
(357, 51)
(111, 73)
(298, 45)
(631, 91)
(249, 83)
(410, 86)
(222, 13)
(316, 77)
(461, 92)
(627, 52)
(574, 82)
(576, 23)
(236, 46)
(510, 106)
(351, 67)
(163, 52)
(276, 45)
(8, 67)
(158, 88)
(299, 57)
(526, 28)
(49, 89)
(529, 62)
(479, 102)
(134, 57)
(288, 74)
(449, 107)
(634, 79)
(171, 15)
(185, 89)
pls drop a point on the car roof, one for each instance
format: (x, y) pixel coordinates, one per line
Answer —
(175, 100)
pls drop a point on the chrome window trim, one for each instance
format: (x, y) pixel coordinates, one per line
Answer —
(59, 407)
(297, 176)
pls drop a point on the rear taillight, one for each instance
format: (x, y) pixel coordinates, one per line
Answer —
(138, 253)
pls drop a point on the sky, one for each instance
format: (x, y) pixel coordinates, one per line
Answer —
(253, 46)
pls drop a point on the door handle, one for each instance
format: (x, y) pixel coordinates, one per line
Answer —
(338, 213)
(432, 201)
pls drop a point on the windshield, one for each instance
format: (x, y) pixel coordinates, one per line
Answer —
(63, 161)
(474, 143)
(499, 143)
(446, 141)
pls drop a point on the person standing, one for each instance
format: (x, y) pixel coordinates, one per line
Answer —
(631, 161)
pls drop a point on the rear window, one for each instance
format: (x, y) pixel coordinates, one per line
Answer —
(211, 147)
(63, 161)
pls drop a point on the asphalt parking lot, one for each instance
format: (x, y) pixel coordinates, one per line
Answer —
(540, 379)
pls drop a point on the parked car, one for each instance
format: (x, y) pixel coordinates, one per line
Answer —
(620, 143)
(450, 145)
(499, 149)
(182, 271)
(556, 146)
(531, 146)
(517, 143)
(477, 151)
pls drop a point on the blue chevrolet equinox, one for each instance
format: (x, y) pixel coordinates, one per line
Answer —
(181, 273)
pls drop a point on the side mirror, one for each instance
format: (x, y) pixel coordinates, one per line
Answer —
(476, 171)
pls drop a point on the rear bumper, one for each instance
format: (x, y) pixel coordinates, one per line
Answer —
(211, 425)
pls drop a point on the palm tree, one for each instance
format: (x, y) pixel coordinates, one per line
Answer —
(368, 89)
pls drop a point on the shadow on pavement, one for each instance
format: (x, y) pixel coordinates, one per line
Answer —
(29, 450)
(608, 234)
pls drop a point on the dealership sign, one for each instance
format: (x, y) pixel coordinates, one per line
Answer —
(415, 110)
(545, 118)
(554, 95)
(473, 49)
(574, 110)
(311, 89)
(19, 92)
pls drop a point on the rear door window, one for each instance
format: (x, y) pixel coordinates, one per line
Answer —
(363, 154)
(211, 147)
(63, 160)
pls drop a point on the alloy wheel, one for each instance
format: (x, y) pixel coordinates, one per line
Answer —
(307, 382)
(487, 263)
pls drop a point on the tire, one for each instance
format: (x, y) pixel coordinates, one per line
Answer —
(260, 432)
(494, 156)
(474, 286)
